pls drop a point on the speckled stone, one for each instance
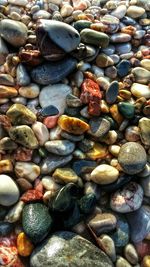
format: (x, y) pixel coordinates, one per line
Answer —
(72, 250)
(132, 157)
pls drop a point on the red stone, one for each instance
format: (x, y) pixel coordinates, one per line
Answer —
(23, 154)
(50, 121)
(38, 185)
(143, 248)
(31, 195)
(91, 95)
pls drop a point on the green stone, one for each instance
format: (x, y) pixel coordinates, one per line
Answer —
(90, 36)
(65, 199)
(42, 152)
(19, 114)
(36, 221)
(23, 135)
(126, 109)
(66, 249)
(87, 203)
(79, 25)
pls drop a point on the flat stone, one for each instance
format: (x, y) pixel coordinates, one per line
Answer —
(103, 223)
(6, 79)
(72, 137)
(90, 36)
(14, 32)
(60, 147)
(104, 174)
(140, 90)
(52, 162)
(72, 125)
(112, 92)
(99, 127)
(7, 91)
(20, 114)
(127, 199)
(49, 111)
(9, 192)
(98, 151)
(144, 125)
(82, 166)
(145, 183)
(62, 34)
(72, 250)
(120, 38)
(119, 183)
(22, 76)
(123, 48)
(48, 73)
(57, 96)
(23, 135)
(119, 12)
(139, 224)
(31, 91)
(132, 158)
(135, 11)
(41, 132)
(18, 2)
(65, 175)
(123, 68)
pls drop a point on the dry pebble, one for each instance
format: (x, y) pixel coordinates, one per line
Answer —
(74, 133)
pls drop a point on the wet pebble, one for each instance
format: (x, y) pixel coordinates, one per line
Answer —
(104, 174)
(60, 147)
(9, 192)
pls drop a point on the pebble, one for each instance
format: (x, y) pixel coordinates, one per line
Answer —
(144, 126)
(49, 184)
(23, 135)
(90, 36)
(135, 11)
(65, 175)
(104, 174)
(121, 233)
(60, 147)
(146, 261)
(99, 127)
(141, 75)
(27, 170)
(108, 246)
(123, 48)
(6, 228)
(22, 77)
(31, 91)
(18, 2)
(126, 109)
(119, 12)
(15, 212)
(60, 33)
(121, 262)
(127, 199)
(72, 125)
(24, 246)
(139, 224)
(52, 162)
(20, 114)
(132, 158)
(102, 223)
(14, 32)
(123, 68)
(140, 90)
(145, 183)
(57, 96)
(41, 132)
(112, 92)
(6, 91)
(3, 51)
(74, 244)
(47, 73)
(120, 38)
(132, 134)
(131, 254)
(7, 79)
(145, 63)
(36, 221)
(9, 192)
(103, 61)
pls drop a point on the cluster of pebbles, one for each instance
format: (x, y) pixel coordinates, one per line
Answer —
(74, 133)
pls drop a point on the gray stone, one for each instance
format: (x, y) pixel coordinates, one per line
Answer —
(66, 249)
(112, 92)
(52, 162)
(99, 127)
(14, 32)
(60, 147)
(132, 157)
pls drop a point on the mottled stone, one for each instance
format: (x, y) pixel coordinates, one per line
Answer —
(141, 75)
(99, 127)
(65, 175)
(27, 170)
(31, 91)
(23, 135)
(72, 250)
(14, 32)
(132, 157)
(7, 91)
(144, 125)
(20, 114)
(7, 144)
(72, 125)
(60, 147)
(103, 223)
(127, 199)
(6, 79)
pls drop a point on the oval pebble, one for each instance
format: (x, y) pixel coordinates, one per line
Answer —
(9, 192)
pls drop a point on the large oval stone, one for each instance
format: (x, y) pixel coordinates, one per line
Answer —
(14, 32)
(9, 192)
(55, 95)
(60, 33)
(132, 157)
(53, 72)
(67, 249)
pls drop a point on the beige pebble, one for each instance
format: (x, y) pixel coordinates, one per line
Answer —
(145, 63)
(146, 261)
(41, 132)
(104, 174)
(108, 246)
(110, 138)
(14, 213)
(49, 184)
(66, 10)
(121, 262)
(131, 254)
(30, 91)
(140, 90)
(135, 11)
(55, 133)
(132, 133)
(65, 175)
(27, 170)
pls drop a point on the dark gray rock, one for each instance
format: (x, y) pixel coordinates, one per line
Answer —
(66, 249)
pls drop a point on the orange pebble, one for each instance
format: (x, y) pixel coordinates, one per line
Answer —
(72, 125)
(115, 114)
(24, 246)
(50, 121)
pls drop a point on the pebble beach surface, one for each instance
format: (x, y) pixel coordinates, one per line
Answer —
(74, 133)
